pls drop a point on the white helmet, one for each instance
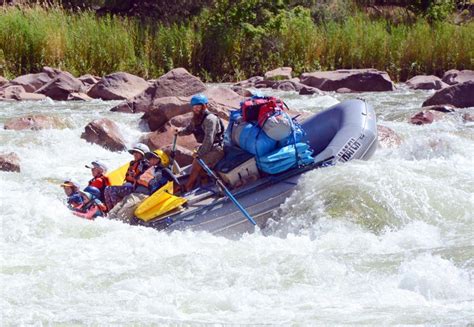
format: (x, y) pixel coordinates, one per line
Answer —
(140, 148)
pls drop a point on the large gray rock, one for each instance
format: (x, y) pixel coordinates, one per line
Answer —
(9, 162)
(455, 76)
(459, 95)
(61, 86)
(105, 133)
(33, 122)
(222, 100)
(3, 81)
(359, 80)
(118, 86)
(279, 74)
(426, 82)
(164, 136)
(177, 82)
(250, 82)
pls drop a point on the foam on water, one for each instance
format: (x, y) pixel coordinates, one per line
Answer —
(388, 241)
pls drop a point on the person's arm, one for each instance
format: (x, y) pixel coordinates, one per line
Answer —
(209, 126)
(186, 130)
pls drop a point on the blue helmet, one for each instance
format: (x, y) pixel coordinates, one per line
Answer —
(94, 191)
(199, 99)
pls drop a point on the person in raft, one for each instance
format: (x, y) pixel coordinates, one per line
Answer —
(99, 180)
(147, 183)
(208, 130)
(115, 194)
(84, 204)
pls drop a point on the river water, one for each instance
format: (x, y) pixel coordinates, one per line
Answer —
(382, 242)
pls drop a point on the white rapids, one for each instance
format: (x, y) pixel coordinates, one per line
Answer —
(383, 242)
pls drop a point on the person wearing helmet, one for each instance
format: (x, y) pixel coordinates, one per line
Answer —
(99, 180)
(208, 130)
(82, 203)
(115, 194)
(150, 181)
(74, 198)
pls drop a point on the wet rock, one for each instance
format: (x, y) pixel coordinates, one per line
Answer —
(163, 137)
(288, 85)
(344, 90)
(249, 82)
(165, 108)
(387, 138)
(33, 122)
(242, 91)
(427, 117)
(426, 82)
(61, 87)
(9, 162)
(460, 95)
(118, 86)
(455, 76)
(468, 117)
(181, 120)
(280, 73)
(222, 100)
(360, 80)
(105, 133)
(177, 82)
(32, 82)
(441, 108)
(308, 90)
(88, 79)
(265, 84)
(182, 156)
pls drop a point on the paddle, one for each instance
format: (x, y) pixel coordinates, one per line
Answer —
(227, 192)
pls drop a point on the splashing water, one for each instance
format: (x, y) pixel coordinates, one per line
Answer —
(388, 241)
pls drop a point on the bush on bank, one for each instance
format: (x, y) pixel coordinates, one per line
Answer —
(228, 41)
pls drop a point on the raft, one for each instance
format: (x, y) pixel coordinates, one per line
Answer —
(344, 132)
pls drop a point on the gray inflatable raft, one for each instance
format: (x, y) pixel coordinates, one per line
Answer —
(344, 132)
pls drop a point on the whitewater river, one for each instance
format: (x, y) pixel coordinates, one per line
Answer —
(382, 242)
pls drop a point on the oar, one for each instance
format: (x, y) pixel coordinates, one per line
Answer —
(227, 192)
(174, 166)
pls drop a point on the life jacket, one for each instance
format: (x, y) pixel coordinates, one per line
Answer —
(135, 169)
(199, 133)
(101, 182)
(89, 208)
(153, 178)
(259, 109)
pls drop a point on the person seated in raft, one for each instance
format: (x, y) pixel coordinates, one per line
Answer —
(208, 130)
(99, 180)
(147, 183)
(115, 194)
(84, 204)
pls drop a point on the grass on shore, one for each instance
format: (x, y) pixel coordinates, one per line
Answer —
(81, 43)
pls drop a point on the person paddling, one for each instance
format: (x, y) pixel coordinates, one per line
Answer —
(115, 194)
(208, 130)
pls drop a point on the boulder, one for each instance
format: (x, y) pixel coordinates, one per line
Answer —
(249, 82)
(359, 80)
(387, 138)
(32, 82)
(78, 96)
(51, 72)
(222, 100)
(308, 90)
(182, 155)
(181, 120)
(177, 82)
(460, 95)
(164, 136)
(468, 117)
(344, 90)
(426, 82)
(427, 117)
(165, 108)
(9, 162)
(241, 91)
(3, 81)
(455, 76)
(17, 92)
(88, 79)
(33, 122)
(61, 86)
(118, 86)
(279, 74)
(105, 133)
(264, 84)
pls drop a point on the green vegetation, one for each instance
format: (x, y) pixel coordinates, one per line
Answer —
(233, 40)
